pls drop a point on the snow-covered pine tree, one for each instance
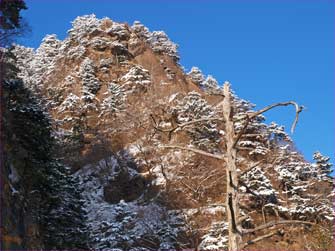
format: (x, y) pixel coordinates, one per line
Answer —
(91, 84)
(49, 193)
(304, 196)
(208, 84)
(115, 100)
(196, 75)
(254, 140)
(322, 165)
(191, 107)
(63, 217)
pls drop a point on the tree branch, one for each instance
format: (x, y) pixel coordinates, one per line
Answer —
(180, 126)
(197, 121)
(262, 237)
(216, 156)
(248, 189)
(298, 109)
(251, 167)
(250, 116)
(274, 223)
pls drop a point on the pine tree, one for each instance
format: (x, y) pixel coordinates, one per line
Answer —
(322, 165)
(11, 23)
(50, 192)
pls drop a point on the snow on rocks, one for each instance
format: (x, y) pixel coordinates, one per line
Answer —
(123, 225)
(105, 64)
(120, 51)
(76, 52)
(69, 81)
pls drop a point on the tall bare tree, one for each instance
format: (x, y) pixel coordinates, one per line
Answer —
(233, 182)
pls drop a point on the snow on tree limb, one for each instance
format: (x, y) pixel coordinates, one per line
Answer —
(183, 125)
(275, 223)
(216, 156)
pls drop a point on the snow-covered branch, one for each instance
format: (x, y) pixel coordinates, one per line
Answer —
(183, 125)
(275, 223)
(216, 156)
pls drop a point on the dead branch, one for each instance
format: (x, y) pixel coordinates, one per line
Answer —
(188, 186)
(207, 178)
(250, 116)
(275, 223)
(183, 125)
(298, 109)
(262, 237)
(198, 121)
(216, 156)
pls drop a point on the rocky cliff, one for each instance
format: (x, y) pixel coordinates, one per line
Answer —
(111, 93)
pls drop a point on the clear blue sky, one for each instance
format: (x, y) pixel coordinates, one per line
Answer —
(269, 50)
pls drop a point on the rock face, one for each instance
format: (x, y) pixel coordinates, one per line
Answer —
(107, 87)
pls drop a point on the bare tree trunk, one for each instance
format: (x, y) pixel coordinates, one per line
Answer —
(234, 230)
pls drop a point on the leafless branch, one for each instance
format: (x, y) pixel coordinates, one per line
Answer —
(250, 116)
(216, 156)
(298, 109)
(275, 223)
(207, 178)
(188, 186)
(198, 121)
(262, 237)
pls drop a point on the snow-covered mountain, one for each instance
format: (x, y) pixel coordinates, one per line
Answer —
(110, 92)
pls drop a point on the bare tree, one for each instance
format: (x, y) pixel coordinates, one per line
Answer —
(229, 162)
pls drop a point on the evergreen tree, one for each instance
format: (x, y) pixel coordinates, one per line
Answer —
(49, 191)
(322, 164)
(11, 24)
